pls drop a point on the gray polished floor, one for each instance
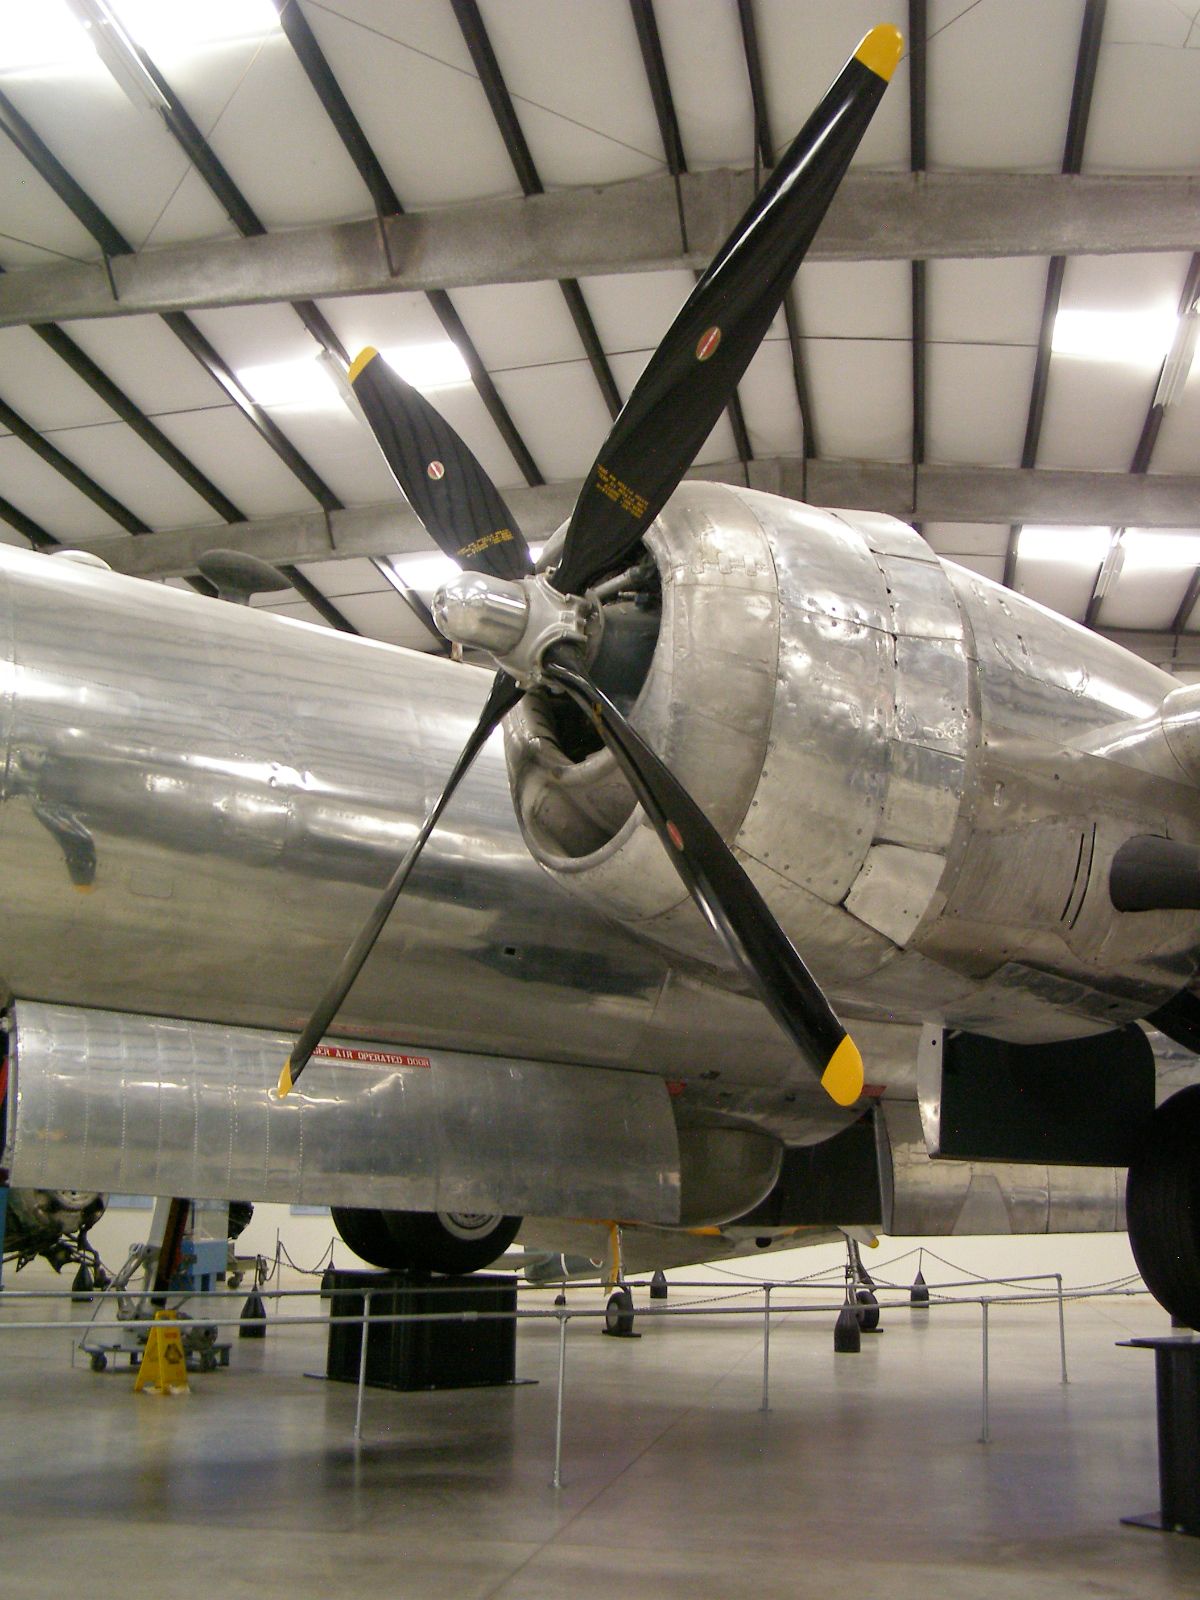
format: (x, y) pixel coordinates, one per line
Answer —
(866, 1476)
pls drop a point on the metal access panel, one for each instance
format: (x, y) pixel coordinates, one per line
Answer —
(1079, 1102)
(154, 1105)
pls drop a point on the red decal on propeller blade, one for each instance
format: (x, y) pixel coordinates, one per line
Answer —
(709, 340)
(436, 470)
(675, 836)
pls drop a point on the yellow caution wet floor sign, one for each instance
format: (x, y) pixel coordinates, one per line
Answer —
(163, 1369)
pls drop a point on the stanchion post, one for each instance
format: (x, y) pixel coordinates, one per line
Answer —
(1062, 1328)
(766, 1402)
(556, 1481)
(362, 1364)
(985, 1435)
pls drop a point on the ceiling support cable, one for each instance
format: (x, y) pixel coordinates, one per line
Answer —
(650, 45)
(387, 204)
(494, 87)
(764, 145)
(1082, 86)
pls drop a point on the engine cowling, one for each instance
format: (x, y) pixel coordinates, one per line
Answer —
(772, 693)
(926, 775)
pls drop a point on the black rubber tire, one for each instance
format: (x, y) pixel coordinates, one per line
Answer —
(618, 1313)
(366, 1233)
(99, 1361)
(1162, 1206)
(868, 1309)
(436, 1241)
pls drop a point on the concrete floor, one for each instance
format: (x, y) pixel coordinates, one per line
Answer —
(866, 1477)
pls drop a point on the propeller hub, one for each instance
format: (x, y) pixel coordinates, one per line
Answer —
(514, 621)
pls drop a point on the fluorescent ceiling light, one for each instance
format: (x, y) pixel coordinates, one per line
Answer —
(426, 572)
(429, 366)
(1136, 338)
(113, 44)
(1161, 550)
(304, 383)
(1082, 547)
(163, 27)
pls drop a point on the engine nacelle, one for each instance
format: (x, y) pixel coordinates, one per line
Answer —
(924, 773)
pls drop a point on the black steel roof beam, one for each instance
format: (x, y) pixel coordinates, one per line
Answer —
(51, 171)
(1082, 86)
(113, 242)
(321, 603)
(764, 144)
(329, 91)
(100, 384)
(38, 536)
(1188, 604)
(654, 63)
(66, 468)
(475, 34)
(190, 336)
(918, 30)
(387, 202)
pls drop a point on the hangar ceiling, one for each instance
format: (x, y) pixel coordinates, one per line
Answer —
(992, 337)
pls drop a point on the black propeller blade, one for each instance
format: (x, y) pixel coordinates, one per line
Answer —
(696, 368)
(716, 882)
(672, 409)
(441, 479)
(504, 695)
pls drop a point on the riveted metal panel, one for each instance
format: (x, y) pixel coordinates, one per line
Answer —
(921, 600)
(894, 888)
(147, 1105)
(924, 793)
(931, 694)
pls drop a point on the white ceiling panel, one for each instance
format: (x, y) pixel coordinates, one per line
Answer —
(994, 302)
(340, 448)
(706, 66)
(354, 575)
(10, 536)
(986, 566)
(226, 448)
(956, 540)
(560, 414)
(123, 157)
(145, 359)
(383, 320)
(581, 94)
(632, 313)
(384, 617)
(469, 417)
(977, 402)
(407, 74)
(518, 324)
(41, 387)
(1178, 446)
(1144, 599)
(116, 458)
(240, 97)
(41, 493)
(294, 610)
(1135, 127)
(1094, 415)
(804, 45)
(769, 403)
(855, 299)
(36, 228)
(1000, 74)
(861, 397)
(1065, 586)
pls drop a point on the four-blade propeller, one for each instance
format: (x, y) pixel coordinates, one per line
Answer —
(538, 623)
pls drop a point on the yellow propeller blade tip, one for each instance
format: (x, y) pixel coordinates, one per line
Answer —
(284, 1086)
(842, 1079)
(364, 357)
(881, 50)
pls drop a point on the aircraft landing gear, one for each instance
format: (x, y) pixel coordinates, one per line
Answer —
(1162, 1206)
(860, 1289)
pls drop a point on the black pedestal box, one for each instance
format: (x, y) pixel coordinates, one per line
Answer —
(423, 1355)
